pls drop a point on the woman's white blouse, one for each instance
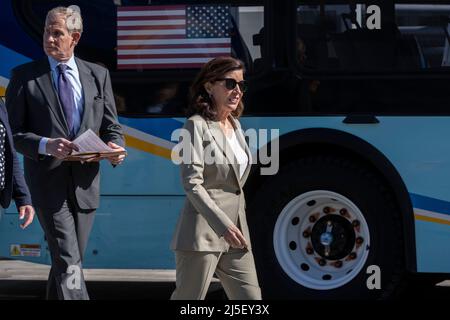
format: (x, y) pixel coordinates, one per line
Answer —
(239, 152)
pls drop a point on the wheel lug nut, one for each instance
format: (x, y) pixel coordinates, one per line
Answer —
(352, 256)
(338, 264)
(343, 212)
(356, 223)
(312, 219)
(306, 234)
(326, 210)
(322, 262)
(309, 251)
(359, 240)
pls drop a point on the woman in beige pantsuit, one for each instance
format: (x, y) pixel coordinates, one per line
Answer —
(212, 235)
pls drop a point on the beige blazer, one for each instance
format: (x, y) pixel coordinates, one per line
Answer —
(214, 195)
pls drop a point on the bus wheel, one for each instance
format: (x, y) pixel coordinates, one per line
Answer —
(326, 227)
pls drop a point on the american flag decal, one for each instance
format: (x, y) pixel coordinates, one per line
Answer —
(161, 37)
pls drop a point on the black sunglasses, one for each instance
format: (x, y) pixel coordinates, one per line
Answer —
(230, 84)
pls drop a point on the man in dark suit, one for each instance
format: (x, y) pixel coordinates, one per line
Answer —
(51, 102)
(12, 183)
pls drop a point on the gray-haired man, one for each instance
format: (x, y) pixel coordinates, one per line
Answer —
(50, 102)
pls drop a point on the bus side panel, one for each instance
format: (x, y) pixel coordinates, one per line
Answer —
(129, 232)
(432, 247)
(27, 245)
(133, 232)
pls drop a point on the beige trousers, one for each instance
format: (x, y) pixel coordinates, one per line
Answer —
(235, 269)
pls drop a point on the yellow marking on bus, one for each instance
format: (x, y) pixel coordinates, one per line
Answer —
(2, 91)
(430, 219)
(147, 147)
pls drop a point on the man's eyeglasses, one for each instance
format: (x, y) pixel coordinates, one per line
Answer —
(230, 84)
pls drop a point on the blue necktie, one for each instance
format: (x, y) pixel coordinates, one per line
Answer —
(66, 96)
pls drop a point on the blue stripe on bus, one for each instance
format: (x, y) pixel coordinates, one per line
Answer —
(430, 204)
(160, 127)
(10, 59)
(13, 35)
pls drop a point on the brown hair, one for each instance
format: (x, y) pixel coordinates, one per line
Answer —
(199, 100)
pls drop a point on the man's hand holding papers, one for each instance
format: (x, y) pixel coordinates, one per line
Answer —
(91, 148)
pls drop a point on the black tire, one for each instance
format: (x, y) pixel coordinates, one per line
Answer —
(359, 184)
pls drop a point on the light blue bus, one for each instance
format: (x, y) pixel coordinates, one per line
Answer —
(359, 94)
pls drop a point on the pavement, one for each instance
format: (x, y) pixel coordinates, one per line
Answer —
(20, 280)
(22, 270)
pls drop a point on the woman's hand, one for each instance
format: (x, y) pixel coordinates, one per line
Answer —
(233, 236)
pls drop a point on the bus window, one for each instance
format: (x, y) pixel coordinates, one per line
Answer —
(425, 31)
(313, 47)
(346, 67)
(335, 37)
(154, 51)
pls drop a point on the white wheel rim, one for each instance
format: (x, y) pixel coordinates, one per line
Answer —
(340, 248)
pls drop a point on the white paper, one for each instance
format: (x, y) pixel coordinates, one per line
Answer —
(90, 142)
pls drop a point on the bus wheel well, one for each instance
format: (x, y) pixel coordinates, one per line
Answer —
(358, 151)
(320, 225)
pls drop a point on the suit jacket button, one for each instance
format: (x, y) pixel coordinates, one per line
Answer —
(238, 192)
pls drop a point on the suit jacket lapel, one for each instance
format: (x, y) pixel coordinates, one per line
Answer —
(223, 144)
(89, 92)
(45, 82)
